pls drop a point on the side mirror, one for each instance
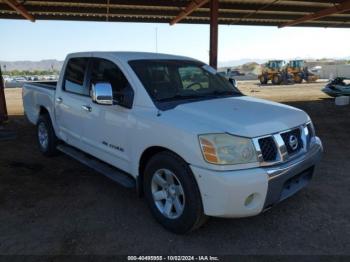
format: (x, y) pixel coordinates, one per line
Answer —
(233, 82)
(102, 93)
(125, 97)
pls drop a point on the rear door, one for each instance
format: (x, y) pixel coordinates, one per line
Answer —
(72, 101)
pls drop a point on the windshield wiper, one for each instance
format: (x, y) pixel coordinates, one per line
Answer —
(179, 97)
(215, 93)
(223, 93)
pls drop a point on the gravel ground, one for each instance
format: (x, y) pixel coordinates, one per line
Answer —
(52, 206)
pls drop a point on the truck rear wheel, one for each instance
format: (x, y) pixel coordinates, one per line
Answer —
(47, 139)
(172, 193)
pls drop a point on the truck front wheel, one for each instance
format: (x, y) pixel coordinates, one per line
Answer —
(47, 139)
(172, 193)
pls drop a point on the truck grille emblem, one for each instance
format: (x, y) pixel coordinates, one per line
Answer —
(293, 142)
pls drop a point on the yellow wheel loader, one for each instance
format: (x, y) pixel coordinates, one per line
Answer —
(300, 72)
(274, 71)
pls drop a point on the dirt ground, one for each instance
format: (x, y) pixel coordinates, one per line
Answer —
(57, 206)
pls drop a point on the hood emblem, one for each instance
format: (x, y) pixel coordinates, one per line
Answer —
(293, 142)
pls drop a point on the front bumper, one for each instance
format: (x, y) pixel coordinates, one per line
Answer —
(247, 192)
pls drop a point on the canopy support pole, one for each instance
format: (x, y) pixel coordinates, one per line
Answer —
(3, 109)
(214, 28)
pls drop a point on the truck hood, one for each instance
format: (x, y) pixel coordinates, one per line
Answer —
(243, 116)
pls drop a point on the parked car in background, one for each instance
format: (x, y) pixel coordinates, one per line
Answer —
(19, 79)
(234, 73)
(177, 131)
(231, 74)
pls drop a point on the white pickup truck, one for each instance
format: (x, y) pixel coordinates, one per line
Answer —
(182, 135)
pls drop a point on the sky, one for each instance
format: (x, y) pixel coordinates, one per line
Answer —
(24, 40)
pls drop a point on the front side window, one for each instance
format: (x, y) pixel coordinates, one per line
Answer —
(75, 76)
(107, 71)
(170, 80)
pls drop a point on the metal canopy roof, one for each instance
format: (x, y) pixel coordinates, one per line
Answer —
(231, 12)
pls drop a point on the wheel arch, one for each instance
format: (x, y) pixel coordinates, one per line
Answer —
(146, 156)
(43, 111)
(44, 114)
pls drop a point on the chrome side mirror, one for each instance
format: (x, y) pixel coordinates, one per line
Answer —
(102, 93)
(233, 82)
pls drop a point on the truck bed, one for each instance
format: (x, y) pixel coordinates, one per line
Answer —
(36, 96)
(44, 84)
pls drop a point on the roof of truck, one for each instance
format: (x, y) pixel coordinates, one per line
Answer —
(128, 56)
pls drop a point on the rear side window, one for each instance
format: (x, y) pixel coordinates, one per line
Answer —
(75, 75)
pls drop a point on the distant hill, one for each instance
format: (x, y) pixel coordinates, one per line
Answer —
(233, 63)
(249, 67)
(31, 65)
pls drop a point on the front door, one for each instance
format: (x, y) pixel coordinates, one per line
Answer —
(107, 127)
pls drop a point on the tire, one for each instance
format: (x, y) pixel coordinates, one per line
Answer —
(263, 79)
(191, 216)
(276, 79)
(46, 136)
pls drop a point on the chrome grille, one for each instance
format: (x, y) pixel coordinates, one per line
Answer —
(268, 148)
(298, 143)
(276, 148)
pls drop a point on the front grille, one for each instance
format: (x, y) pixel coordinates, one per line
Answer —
(268, 148)
(293, 141)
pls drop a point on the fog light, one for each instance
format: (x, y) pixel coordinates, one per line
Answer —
(249, 200)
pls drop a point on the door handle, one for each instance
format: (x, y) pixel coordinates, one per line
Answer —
(59, 100)
(86, 108)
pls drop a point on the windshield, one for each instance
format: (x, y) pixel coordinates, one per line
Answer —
(170, 80)
(276, 64)
(297, 63)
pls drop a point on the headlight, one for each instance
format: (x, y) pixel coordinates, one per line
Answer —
(225, 149)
